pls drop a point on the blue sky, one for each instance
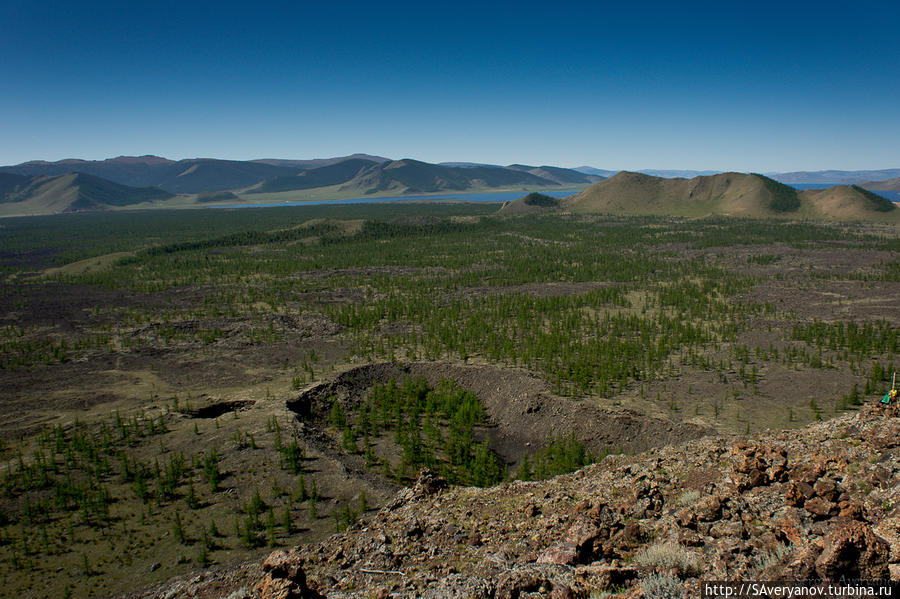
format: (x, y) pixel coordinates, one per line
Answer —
(693, 85)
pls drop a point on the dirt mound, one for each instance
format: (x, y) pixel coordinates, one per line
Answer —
(521, 410)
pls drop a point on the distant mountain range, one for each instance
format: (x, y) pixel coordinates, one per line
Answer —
(409, 176)
(888, 185)
(184, 176)
(731, 194)
(205, 177)
(317, 162)
(73, 185)
(846, 177)
(656, 173)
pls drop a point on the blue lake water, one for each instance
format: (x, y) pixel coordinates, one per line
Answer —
(494, 196)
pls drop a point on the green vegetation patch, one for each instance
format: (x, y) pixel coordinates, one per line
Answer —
(86, 504)
(560, 456)
(539, 199)
(433, 427)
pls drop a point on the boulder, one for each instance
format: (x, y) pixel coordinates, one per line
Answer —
(564, 553)
(578, 546)
(802, 565)
(284, 578)
(853, 550)
(821, 508)
(709, 509)
(428, 483)
(826, 489)
(790, 527)
(807, 473)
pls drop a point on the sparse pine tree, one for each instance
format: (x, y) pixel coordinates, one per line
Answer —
(525, 471)
(178, 528)
(287, 522)
(301, 494)
(270, 528)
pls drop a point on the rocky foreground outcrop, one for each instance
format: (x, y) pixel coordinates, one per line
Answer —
(818, 503)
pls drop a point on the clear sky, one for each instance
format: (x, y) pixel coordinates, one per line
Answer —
(726, 85)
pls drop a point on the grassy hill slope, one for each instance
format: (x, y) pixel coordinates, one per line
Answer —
(75, 192)
(848, 202)
(731, 194)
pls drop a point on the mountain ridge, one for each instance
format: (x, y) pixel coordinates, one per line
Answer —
(184, 176)
(269, 175)
(727, 194)
(886, 185)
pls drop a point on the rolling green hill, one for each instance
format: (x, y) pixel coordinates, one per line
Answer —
(74, 192)
(848, 202)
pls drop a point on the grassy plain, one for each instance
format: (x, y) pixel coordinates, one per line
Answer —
(169, 377)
